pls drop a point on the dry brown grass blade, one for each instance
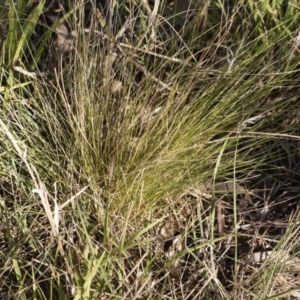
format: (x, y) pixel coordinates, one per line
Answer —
(40, 189)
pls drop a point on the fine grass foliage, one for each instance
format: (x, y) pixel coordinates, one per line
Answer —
(112, 156)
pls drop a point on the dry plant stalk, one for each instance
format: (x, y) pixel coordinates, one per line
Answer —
(40, 189)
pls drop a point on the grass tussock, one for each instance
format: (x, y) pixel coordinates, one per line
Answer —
(151, 157)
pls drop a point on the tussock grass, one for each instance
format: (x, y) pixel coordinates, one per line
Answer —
(111, 163)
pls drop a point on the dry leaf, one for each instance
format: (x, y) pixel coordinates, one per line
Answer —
(116, 86)
(64, 37)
